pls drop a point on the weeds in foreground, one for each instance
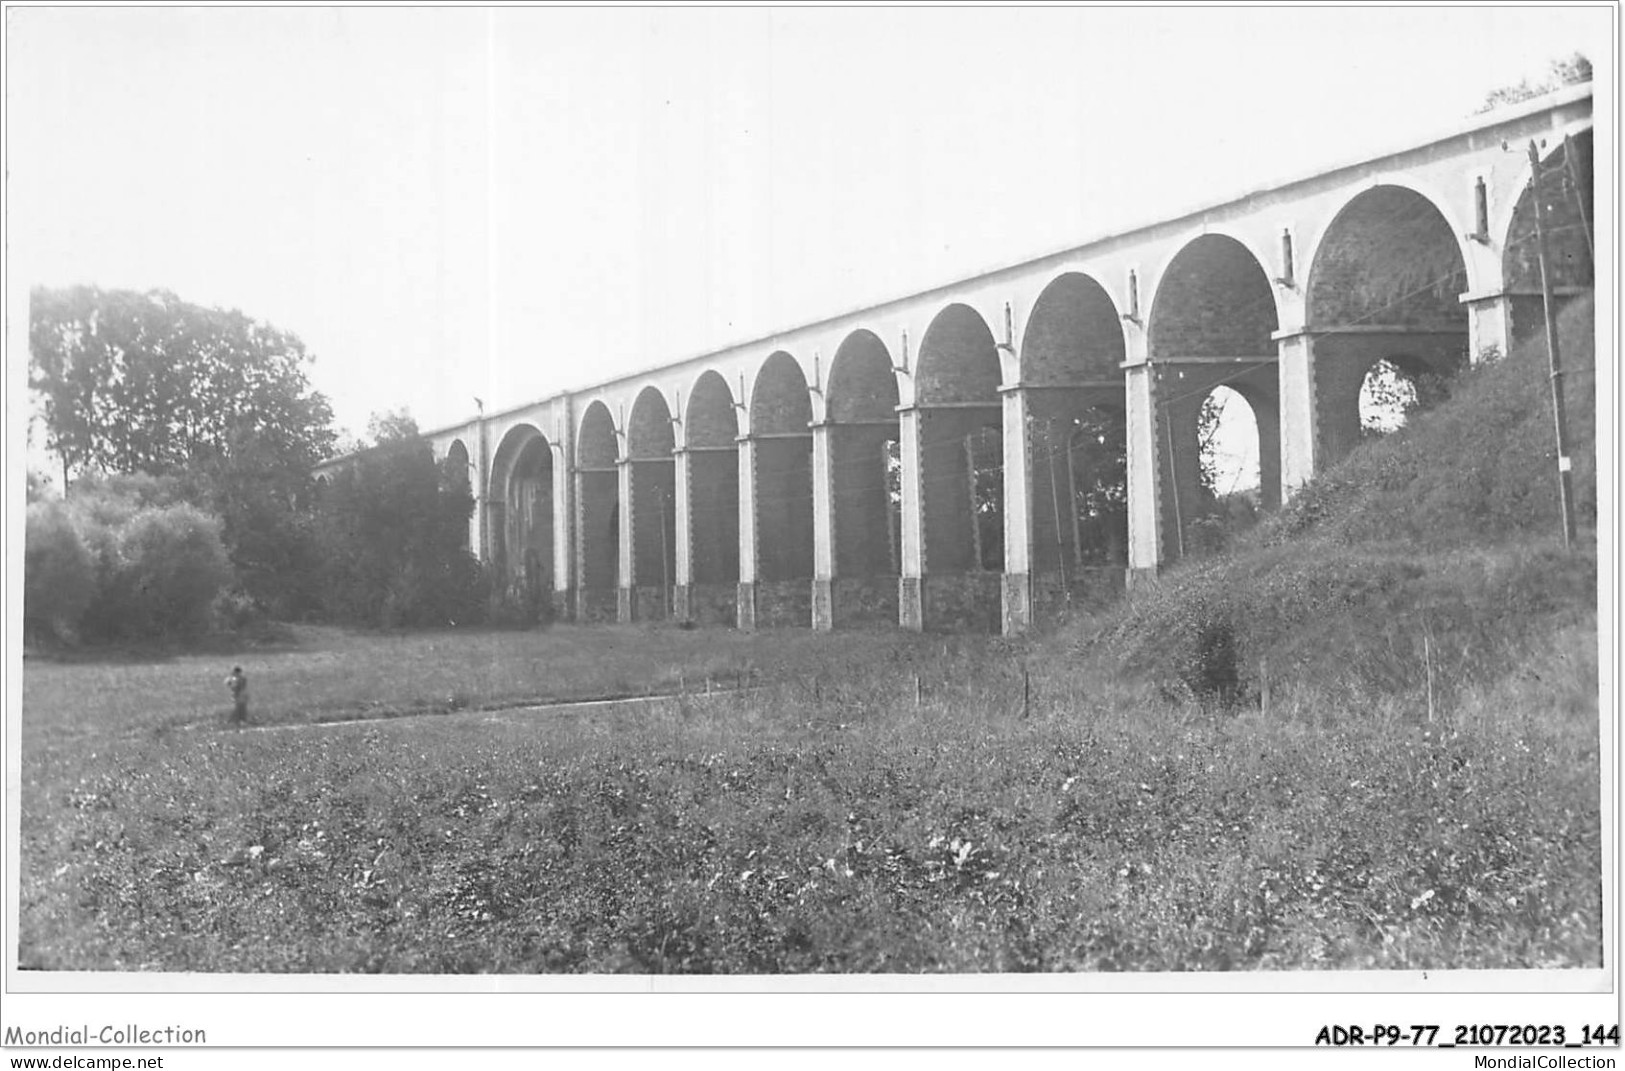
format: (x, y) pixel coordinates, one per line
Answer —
(839, 829)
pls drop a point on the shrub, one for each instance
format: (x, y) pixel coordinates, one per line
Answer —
(517, 606)
(122, 559)
(170, 566)
(434, 594)
(391, 539)
(59, 579)
(234, 609)
(1224, 521)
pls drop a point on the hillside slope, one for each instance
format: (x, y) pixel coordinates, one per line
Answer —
(1427, 567)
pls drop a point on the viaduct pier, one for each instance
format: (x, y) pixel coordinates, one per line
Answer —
(978, 455)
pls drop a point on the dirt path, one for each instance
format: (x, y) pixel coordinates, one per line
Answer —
(490, 714)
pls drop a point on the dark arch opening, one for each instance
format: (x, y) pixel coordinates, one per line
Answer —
(597, 516)
(1097, 473)
(866, 488)
(456, 478)
(1389, 258)
(1073, 336)
(711, 433)
(522, 517)
(1567, 213)
(1072, 383)
(455, 469)
(1214, 301)
(959, 361)
(961, 424)
(1079, 496)
(781, 437)
(650, 454)
(595, 447)
(1388, 277)
(1212, 325)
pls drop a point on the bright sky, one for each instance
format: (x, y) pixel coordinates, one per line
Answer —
(451, 202)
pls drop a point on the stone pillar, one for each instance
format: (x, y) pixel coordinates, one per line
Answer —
(1016, 583)
(682, 608)
(626, 598)
(1144, 504)
(578, 563)
(1490, 325)
(1492, 312)
(746, 610)
(911, 582)
(1296, 372)
(564, 486)
(476, 521)
(482, 496)
(823, 480)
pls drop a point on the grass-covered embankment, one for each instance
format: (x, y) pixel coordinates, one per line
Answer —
(1427, 562)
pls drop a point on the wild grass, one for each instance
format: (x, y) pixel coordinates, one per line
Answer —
(1421, 565)
(1368, 738)
(842, 826)
(331, 674)
(1480, 469)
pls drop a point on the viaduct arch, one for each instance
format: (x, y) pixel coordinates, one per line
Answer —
(861, 475)
(598, 516)
(708, 483)
(1070, 398)
(985, 453)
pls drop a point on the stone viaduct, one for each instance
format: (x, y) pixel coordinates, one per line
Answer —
(977, 455)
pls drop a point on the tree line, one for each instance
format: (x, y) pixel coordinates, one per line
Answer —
(187, 438)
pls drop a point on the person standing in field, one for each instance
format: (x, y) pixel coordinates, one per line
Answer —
(238, 683)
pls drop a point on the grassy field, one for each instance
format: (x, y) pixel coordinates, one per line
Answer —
(1366, 736)
(843, 825)
(318, 674)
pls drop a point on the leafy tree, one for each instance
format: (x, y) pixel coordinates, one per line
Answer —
(1098, 453)
(393, 426)
(263, 502)
(135, 382)
(1390, 395)
(1570, 70)
(146, 383)
(1222, 509)
(391, 534)
(1209, 425)
(1387, 397)
(39, 487)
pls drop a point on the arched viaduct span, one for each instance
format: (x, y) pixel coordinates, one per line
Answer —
(975, 455)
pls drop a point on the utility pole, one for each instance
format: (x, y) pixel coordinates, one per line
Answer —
(665, 554)
(1565, 480)
(1173, 474)
(482, 503)
(1055, 501)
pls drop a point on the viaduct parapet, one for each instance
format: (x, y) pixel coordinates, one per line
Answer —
(982, 454)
